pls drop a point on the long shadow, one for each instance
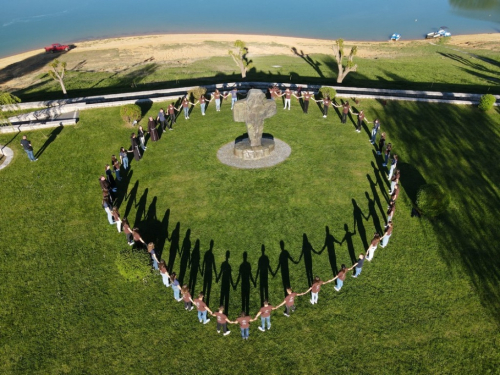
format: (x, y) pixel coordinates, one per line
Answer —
(412, 180)
(358, 222)
(376, 198)
(27, 66)
(208, 271)
(307, 251)
(184, 254)
(131, 197)
(245, 274)
(162, 234)
(372, 212)
(141, 207)
(263, 269)
(123, 188)
(314, 64)
(226, 278)
(350, 244)
(52, 137)
(174, 246)
(382, 182)
(330, 242)
(455, 159)
(283, 264)
(194, 267)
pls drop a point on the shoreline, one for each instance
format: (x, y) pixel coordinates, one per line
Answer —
(185, 38)
(122, 53)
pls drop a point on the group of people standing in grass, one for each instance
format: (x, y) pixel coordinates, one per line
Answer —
(109, 187)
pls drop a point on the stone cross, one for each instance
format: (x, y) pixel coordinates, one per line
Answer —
(253, 111)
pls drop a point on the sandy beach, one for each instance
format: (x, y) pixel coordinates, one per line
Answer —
(114, 55)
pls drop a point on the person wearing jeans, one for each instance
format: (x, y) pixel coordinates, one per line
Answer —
(375, 129)
(175, 287)
(244, 322)
(185, 105)
(234, 97)
(387, 234)
(358, 265)
(124, 158)
(216, 95)
(28, 148)
(202, 104)
(154, 259)
(265, 316)
(202, 309)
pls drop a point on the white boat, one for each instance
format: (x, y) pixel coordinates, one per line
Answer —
(395, 37)
(442, 32)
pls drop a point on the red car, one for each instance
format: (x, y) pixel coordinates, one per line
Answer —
(56, 47)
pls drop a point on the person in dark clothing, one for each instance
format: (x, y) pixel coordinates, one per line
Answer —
(28, 148)
(135, 147)
(153, 133)
(161, 119)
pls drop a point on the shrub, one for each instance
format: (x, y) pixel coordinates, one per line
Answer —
(486, 102)
(130, 113)
(196, 92)
(133, 264)
(327, 91)
(432, 200)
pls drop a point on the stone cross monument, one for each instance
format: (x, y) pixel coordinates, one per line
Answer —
(253, 111)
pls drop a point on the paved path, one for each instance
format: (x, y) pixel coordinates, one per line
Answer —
(6, 156)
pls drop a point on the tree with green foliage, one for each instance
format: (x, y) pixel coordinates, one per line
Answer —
(240, 57)
(327, 91)
(57, 71)
(196, 92)
(130, 113)
(432, 200)
(487, 102)
(9, 102)
(338, 54)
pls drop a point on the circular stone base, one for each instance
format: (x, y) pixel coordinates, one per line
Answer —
(281, 152)
(243, 150)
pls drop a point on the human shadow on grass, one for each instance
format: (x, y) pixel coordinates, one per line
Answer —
(121, 193)
(51, 138)
(208, 271)
(349, 242)
(444, 150)
(329, 245)
(162, 234)
(174, 246)
(358, 222)
(376, 197)
(283, 264)
(226, 277)
(263, 269)
(194, 268)
(372, 213)
(132, 196)
(307, 251)
(141, 207)
(245, 275)
(184, 253)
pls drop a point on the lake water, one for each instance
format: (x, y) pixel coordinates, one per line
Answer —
(32, 24)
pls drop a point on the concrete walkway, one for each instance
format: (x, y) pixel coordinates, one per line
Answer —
(6, 155)
(65, 111)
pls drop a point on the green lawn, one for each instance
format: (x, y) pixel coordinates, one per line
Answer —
(413, 66)
(428, 303)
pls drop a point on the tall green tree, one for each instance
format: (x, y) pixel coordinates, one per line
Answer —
(338, 54)
(240, 57)
(10, 102)
(57, 71)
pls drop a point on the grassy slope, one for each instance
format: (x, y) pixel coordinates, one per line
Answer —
(67, 309)
(414, 66)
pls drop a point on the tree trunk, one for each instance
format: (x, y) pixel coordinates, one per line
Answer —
(62, 86)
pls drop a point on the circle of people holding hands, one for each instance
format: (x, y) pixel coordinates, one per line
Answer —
(109, 188)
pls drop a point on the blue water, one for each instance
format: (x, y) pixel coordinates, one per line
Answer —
(32, 24)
